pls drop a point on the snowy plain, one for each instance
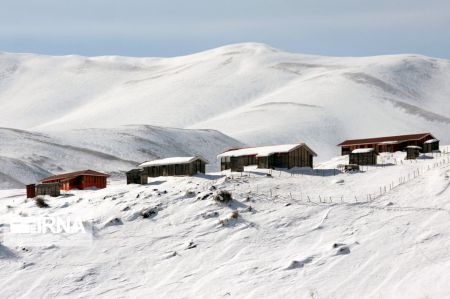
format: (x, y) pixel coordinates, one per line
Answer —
(379, 233)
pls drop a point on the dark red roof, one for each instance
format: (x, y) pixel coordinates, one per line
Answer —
(400, 138)
(65, 176)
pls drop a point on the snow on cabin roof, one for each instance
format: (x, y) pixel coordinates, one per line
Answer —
(171, 160)
(431, 141)
(390, 142)
(362, 150)
(414, 147)
(263, 151)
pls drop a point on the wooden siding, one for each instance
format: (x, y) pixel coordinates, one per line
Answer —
(412, 153)
(299, 157)
(51, 189)
(363, 158)
(137, 176)
(81, 182)
(31, 191)
(430, 147)
(187, 169)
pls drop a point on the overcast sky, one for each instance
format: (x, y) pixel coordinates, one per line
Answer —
(178, 27)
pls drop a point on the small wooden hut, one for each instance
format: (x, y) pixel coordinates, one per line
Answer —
(275, 156)
(137, 176)
(412, 152)
(431, 145)
(363, 156)
(31, 190)
(174, 166)
(52, 189)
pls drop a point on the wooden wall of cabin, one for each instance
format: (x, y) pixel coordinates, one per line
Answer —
(51, 189)
(412, 153)
(429, 147)
(189, 169)
(300, 157)
(137, 177)
(235, 163)
(363, 158)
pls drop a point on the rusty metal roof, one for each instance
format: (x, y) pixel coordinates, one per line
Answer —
(65, 176)
(399, 138)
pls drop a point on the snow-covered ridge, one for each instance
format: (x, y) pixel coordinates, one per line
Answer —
(251, 92)
(26, 157)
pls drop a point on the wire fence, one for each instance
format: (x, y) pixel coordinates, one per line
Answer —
(275, 194)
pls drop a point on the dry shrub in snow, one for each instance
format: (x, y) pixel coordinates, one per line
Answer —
(40, 202)
(190, 194)
(148, 213)
(223, 196)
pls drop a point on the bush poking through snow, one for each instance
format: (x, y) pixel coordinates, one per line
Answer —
(113, 221)
(40, 202)
(148, 213)
(223, 196)
(210, 215)
(190, 194)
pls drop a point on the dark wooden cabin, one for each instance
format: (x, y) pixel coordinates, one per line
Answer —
(51, 189)
(430, 146)
(412, 152)
(275, 156)
(174, 166)
(79, 180)
(363, 156)
(137, 176)
(387, 144)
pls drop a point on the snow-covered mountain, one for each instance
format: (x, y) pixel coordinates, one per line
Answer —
(29, 156)
(381, 233)
(252, 92)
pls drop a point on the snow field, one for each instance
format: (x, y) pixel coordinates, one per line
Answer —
(189, 245)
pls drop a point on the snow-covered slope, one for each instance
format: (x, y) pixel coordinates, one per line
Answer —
(28, 156)
(381, 233)
(252, 92)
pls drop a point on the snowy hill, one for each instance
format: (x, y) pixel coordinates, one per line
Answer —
(251, 92)
(380, 233)
(29, 156)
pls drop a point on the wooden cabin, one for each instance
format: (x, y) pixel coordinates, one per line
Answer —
(363, 156)
(174, 166)
(412, 152)
(137, 176)
(51, 189)
(430, 146)
(387, 144)
(275, 156)
(79, 180)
